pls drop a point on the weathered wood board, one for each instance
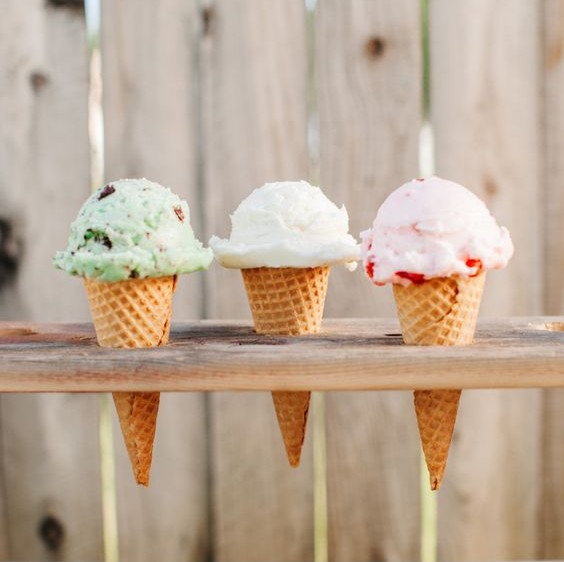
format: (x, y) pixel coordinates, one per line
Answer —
(485, 113)
(254, 119)
(552, 521)
(50, 463)
(368, 89)
(346, 355)
(150, 102)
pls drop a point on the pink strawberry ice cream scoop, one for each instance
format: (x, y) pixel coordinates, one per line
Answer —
(432, 228)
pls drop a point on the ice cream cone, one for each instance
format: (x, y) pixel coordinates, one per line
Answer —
(288, 301)
(436, 416)
(291, 412)
(137, 413)
(134, 313)
(440, 311)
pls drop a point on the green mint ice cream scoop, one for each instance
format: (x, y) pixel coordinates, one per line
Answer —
(129, 229)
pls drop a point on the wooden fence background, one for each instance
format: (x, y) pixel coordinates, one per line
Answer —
(213, 98)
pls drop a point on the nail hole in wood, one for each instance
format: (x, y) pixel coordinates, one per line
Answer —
(52, 532)
(375, 47)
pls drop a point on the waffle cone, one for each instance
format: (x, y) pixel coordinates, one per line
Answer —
(134, 313)
(291, 412)
(441, 311)
(288, 301)
(137, 413)
(436, 416)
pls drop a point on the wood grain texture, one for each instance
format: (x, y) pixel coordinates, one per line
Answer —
(168, 520)
(486, 120)
(52, 470)
(253, 62)
(552, 521)
(254, 118)
(369, 120)
(368, 64)
(50, 457)
(150, 96)
(553, 163)
(485, 112)
(262, 507)
(345, 355)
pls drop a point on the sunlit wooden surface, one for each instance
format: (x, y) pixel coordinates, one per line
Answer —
(348, 355)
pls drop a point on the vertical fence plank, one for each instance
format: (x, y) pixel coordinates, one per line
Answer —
(254, 99)
(369, 90)
(553, 69)
(50, 455)
(150, 85)
(553, 72)
(485, 114)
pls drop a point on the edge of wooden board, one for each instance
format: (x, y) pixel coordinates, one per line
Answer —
(359, 354)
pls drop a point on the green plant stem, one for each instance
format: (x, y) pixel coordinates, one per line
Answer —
(428, 517)
(320, 542)
(109, 503)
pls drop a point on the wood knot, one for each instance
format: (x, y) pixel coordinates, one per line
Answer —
(11, 249)
(555, 53)
(52, 533)
(375, 47)
(208, 17)
(491, 188)
(38, 80)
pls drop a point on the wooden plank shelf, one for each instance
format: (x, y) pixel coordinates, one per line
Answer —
(358, 354)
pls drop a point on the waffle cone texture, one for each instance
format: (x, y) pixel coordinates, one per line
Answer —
(440, 311)
(129, 314)
(288, 301)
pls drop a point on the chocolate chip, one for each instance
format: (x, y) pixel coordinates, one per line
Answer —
(108, 190)
(134, 274)
(179, 213)
(98, 236)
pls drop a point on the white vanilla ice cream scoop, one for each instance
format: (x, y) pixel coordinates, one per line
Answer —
(432, 228)
(287, 224)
